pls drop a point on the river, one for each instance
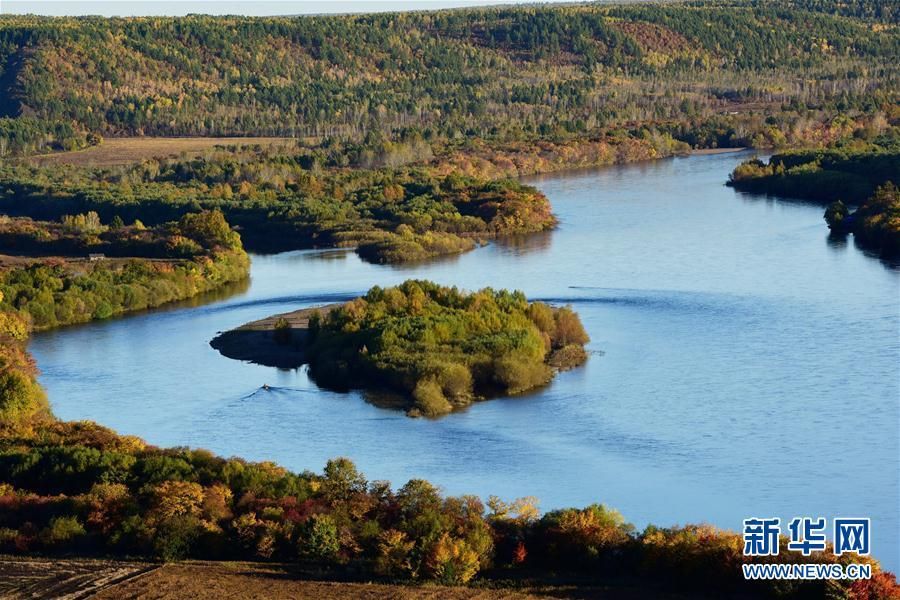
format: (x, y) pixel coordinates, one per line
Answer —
(743, 364)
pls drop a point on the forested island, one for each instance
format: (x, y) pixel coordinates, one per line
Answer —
(439, 348)
(402, 136)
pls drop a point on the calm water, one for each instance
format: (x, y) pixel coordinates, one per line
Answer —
(745, 365)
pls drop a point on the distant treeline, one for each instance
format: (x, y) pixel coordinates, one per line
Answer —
(499, 74)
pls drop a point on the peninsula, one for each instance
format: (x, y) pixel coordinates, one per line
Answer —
(278, 341)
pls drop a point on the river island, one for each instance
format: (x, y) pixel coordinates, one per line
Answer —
(438, 348)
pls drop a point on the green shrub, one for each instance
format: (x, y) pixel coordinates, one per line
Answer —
(175, 537)
(62, 532)
(21, 398)
(429, 398)
(516, 375)
(319, 540)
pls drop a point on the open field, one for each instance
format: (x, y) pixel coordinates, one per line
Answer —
(63, 579)
(122, 151)
(73, 579)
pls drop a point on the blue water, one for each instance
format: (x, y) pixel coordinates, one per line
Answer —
(744, 364)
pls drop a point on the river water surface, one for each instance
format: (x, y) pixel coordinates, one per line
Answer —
(745, 365)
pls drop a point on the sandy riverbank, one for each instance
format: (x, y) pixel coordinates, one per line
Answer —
(705, 151)
(255, 341)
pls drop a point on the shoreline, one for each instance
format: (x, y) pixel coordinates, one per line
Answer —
(255, 342)
(712, 151)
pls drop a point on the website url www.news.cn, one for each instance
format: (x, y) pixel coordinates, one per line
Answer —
(807, 571)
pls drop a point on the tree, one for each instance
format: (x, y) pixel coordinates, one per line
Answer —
(835, 215)
(319, 539)
(342, 480)
(209, 229)
(452, 561)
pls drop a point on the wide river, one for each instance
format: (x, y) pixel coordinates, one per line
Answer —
(744, 364)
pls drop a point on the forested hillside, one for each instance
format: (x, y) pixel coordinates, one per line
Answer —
(503, 74)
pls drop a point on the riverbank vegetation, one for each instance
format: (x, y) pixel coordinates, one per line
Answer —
(81, 235)
(876, 223)
(64, 290)
(293, 200)
(77, 487)
(205, 254)
(849, 172)
(441, 348)
(855, 174)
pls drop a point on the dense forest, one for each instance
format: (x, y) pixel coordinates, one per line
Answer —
(496, 74)
(857, 174)
(443, 348)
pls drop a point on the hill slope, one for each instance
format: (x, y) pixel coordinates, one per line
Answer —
(492, 73)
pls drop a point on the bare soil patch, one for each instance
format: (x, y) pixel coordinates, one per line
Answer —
(62, 578)
(123, 151)
(234, 580)
(77, 579)
(257, 342)
(219, 581)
